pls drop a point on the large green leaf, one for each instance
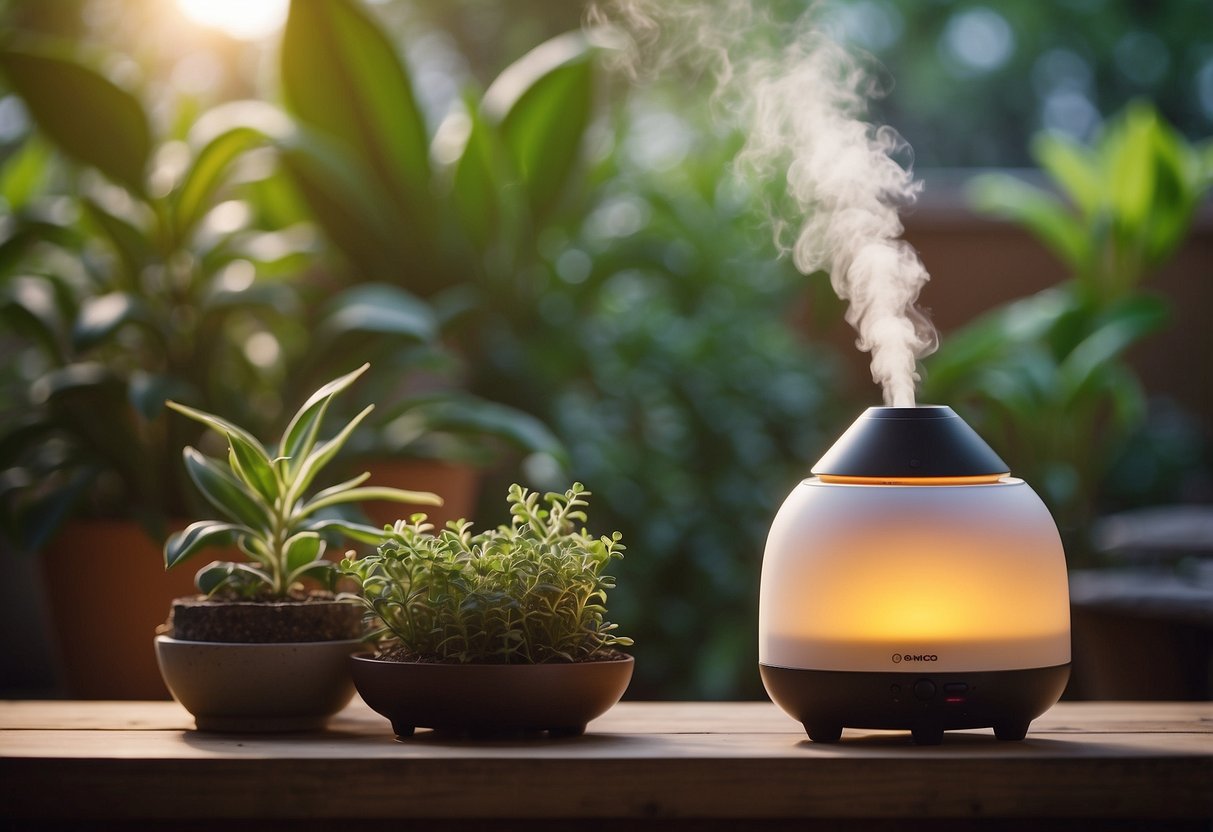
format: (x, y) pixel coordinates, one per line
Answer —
(210, 166)
(180, 545)
(352, 217)
(542, 104)
(478, 181)
(1124, 325)
(28, 305)
(102, 316)
(348, 201)
(301, 433)
(380, 309)
(1128, 156)
(24, 173)
(89, 402)
(473, 416)
(341, 75)
(1073, 167)
(224, 491)
(128, 242)
(82, 113)
(1044, 215)
(148, 392)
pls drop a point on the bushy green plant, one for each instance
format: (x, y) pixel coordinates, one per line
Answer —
(530, 592)
(263, 499)
(1044, 378)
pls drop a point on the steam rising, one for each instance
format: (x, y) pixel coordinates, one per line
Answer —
(800, 96)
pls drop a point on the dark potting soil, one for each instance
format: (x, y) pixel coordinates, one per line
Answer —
(317, 617)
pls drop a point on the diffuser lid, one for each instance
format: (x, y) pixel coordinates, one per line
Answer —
(910, 443)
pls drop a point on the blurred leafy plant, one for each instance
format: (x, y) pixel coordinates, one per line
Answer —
(122, 289)
(664, 351)
(262, 496)
(1044, 378)
(455, 217)
(138, 273)
(527, 593)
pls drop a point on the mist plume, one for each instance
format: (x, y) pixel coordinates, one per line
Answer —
(800, 97)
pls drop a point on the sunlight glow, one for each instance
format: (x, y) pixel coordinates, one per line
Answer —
(244, 19)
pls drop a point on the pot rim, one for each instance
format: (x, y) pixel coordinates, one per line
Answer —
(368, 658)
(167, 639)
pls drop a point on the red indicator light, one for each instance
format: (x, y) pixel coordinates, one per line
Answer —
(952, 700)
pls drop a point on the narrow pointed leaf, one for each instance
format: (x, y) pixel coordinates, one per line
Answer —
(215, 576)
(319, 570)
(200, 535)
(300, 435)
(353, 482)
(355, 531)
(224, 491)
(355, 495)
(222, 427)
(320, 456)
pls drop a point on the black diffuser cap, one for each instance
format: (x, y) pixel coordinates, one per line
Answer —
(910, 442)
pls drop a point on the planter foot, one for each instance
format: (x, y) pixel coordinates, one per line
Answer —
(927, 736)
(402, 731)
(823, 733)
(1010, 731)
(567, 731)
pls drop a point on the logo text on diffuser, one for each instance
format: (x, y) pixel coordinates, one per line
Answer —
(912, 657)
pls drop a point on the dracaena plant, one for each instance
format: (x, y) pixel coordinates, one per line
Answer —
(262, 497)
(529, 592)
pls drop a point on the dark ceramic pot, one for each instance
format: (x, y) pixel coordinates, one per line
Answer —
(488, 699)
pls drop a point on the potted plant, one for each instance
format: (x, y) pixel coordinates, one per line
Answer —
(501, 630)
(258, 651)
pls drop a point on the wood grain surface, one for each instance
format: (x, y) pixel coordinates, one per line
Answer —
(141, 761)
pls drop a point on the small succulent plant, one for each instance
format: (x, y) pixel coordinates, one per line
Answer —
(263, 499)
(530, 592)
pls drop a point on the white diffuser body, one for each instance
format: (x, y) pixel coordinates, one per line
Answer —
(927, 598)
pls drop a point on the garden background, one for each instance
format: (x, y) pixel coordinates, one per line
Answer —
(557, 276)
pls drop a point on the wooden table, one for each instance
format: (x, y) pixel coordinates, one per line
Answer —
(656, 765)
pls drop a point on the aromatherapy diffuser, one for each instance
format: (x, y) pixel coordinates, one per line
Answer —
(913, 584)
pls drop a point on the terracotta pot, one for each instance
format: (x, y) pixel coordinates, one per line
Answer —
(456, 484)
(490, 698)
(107, 591)
(258, 687)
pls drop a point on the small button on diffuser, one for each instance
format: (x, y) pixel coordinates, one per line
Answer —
(924, 689)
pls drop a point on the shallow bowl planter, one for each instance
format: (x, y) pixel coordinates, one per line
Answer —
(227, 686)
(491, 698)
